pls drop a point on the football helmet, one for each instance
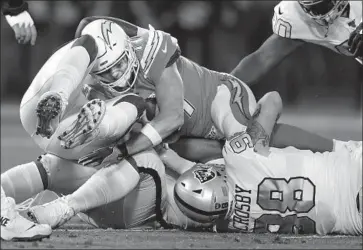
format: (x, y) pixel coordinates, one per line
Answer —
(201, 193)
(116, 66)
(324, 12)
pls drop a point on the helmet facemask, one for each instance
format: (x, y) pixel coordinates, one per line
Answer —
(120, 77)
(324, 12)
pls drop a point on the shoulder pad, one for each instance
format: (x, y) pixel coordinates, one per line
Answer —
(159, 50)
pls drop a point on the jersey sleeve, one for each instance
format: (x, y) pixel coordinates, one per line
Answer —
(161, 51)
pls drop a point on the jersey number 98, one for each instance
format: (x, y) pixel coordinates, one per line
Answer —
(279, 194)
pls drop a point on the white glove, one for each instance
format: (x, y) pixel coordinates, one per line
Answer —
(23, 26)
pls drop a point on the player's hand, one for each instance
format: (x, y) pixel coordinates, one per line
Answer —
(23, 26)
(100, 156)
(355, 41)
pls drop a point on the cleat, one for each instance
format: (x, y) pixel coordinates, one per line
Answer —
(15, 227)
(84, 128)
(48, 109)
(54, 213)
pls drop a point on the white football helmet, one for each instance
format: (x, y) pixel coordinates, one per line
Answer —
(324, 12)
(116, 66)
(201, 193)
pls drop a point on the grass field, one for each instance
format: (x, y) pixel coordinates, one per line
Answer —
(17, 148)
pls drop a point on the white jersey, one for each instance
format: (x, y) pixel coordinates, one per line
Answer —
(291, 21)
(291, 190)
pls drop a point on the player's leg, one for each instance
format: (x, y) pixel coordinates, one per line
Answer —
(107, 185)
(48, 172)
(141, 205)
(102, 119)
(16, 227)
(72, 68)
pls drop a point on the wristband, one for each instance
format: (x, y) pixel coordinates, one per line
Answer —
(151, 133)
(22, 19)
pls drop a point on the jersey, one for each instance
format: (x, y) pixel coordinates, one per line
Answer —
(291, 190)
(156, 50)
(291, 21)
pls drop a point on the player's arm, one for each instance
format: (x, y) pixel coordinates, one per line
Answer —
(255, 66)
(198, 149)
(173, 161)
(169, 96)
(129, 28)
(267, 113)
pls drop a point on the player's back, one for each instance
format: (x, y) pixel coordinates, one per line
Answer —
(293, 191)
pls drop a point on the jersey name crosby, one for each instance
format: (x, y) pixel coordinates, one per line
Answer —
(291, 21)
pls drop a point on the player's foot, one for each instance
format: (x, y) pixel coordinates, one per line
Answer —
(16, 228)
(54, 213)
(48, 110)
(85, 127)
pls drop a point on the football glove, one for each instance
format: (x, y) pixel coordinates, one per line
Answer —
(23, 26)
(355, 41)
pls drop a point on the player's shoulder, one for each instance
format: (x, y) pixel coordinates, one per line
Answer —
(156, 50)
(289, 19)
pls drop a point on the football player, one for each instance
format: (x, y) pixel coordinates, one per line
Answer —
(335, 24)
(265, 189)
(180, 85)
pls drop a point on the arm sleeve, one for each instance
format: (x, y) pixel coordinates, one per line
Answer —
(13, 7)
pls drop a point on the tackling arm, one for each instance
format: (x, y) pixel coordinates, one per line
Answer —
(169, 95)
(274, 50)
(173, 161)
(267, 113)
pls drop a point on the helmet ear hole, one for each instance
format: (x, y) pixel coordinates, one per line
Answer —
(183, 184)
(198, 191)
